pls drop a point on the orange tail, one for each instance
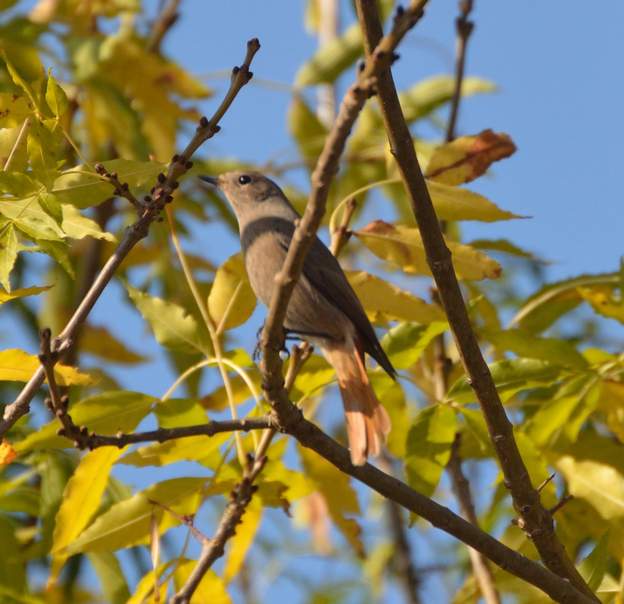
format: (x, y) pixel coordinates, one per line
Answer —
(367, 421)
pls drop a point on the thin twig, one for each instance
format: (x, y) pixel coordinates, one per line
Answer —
(18, 141)
(161, 194)
(121, 189)
(341, 235)
(538, 521)
(461, 489)
(163, 23)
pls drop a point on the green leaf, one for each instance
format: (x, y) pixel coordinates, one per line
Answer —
(385, 302)
(510, 376)
(77, 226)
(173, 327)
(231, 300)
(604, 301)
(332, 58)
(105, 413)
(402, 247)
(594, 566)
(111, 576)
(426, 96)
(547, 305)
(30, 218)
(524, 344)
(51, 206)
(127, 523)
(19, 366)
(18, 184)
(506, 247)
(59, 250)
(55, 97)
(405, 343)
(81, 500)
(455, 203)
(83, 188)
(8, 254)
(242, 540)
(14, 109)
(428, 447)
(308, 131)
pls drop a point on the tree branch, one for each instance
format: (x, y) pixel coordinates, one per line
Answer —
(161, 195)
(163, 23)
(537, 520)
(532, 572)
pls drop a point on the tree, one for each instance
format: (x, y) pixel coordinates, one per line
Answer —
(91, 181)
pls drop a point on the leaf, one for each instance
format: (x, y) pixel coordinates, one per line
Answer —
(403, 247)
(454, 203)
(242, 540)
(81, 499)
(30, 218)
(385, 302)
(468, 157)
(210, 589)
(428, 447)
(19, 366)
(308, 131)
(332, 58)
(105, 413)
(77, 226)
(405, 343)
(82, 187)
(544, 307)
(201, 449)
(524, 344)
(426, 96)
(99, 341)
(338, 494)
(18, 184)
(8, 255)
(7, 453)
(509, 376)
(127, 523)
(111, 576)
(594, 566)
(506, 247)
(231, 300)
(173, 327)
(603, 301)
(14, 109)
(599, 484)
(55, 97)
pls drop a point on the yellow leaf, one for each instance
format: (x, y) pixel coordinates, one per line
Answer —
(77, 226)
(22, 293)
(7, 453)
(467, 157)
(335, 488)
(403, 247)
(97, 340)
(81, 499)
(603, 301)
(19, 366)
(385, 302)
(144, 591)
(231, 300)
(242, 540)
(306, 128)
(454, 203)
(128, 522)
(210, 589)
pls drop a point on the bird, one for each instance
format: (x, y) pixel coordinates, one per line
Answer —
(323, 309)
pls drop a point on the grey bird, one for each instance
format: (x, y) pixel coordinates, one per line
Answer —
(323, 309)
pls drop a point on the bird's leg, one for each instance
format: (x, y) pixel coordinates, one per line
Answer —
(258, 347)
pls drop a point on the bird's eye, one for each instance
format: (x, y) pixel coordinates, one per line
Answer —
(244, 179)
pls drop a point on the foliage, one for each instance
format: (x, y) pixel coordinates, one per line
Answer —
(66, 106)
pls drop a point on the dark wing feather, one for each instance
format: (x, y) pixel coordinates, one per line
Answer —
(323, 271)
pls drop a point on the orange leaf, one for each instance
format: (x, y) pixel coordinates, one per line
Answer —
(7, 453)
(467, 157)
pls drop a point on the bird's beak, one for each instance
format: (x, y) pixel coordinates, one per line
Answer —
(210, 180)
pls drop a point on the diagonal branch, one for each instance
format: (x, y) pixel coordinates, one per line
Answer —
(537, 520)
(326, 168)
(161, 195)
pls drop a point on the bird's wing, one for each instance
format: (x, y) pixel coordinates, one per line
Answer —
(325, 274)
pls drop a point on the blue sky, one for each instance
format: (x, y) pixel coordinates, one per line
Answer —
(558, 68)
